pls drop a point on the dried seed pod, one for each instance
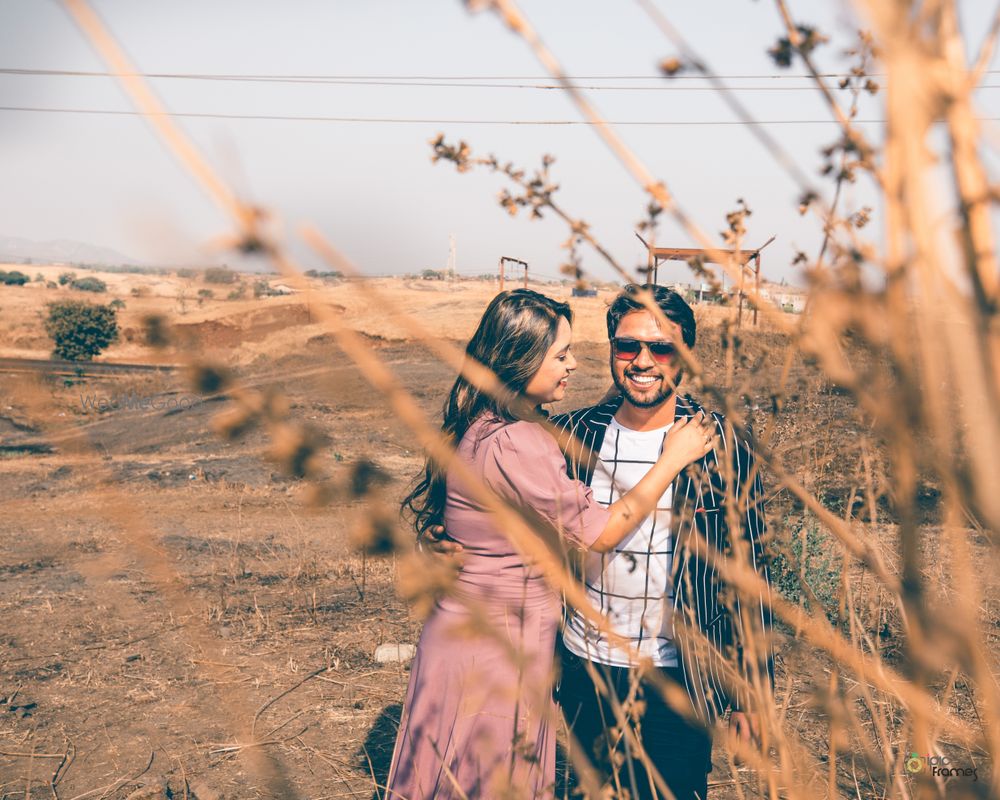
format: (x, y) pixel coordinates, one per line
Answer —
(277, 406)
(253, 401)
(234, 422)
(294, 449)
(156, 332)
(423, 580)
(671, 66)
(377, 530)
(365, 476)
(320, 493)
(209, 379)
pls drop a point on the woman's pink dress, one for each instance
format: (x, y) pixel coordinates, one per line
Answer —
(479, 717)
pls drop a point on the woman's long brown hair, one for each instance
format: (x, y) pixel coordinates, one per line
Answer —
(516, 331)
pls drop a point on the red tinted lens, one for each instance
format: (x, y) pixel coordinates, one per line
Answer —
(626, 349)
(662, 352)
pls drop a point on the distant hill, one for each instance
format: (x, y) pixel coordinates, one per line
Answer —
(14, 248)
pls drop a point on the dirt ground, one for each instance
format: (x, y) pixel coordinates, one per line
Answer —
(104, 681)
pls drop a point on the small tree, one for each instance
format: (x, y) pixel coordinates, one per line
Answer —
(80, 330)
(117, 304)
(66, 277)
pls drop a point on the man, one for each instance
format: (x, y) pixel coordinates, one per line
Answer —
(660, 581)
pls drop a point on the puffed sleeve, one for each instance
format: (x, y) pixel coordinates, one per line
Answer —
(524, 465)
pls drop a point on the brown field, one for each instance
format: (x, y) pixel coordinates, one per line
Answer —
(97, 661)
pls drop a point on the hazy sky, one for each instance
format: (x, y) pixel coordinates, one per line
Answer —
(370, 186)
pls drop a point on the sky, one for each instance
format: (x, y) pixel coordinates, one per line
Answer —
(370, 187)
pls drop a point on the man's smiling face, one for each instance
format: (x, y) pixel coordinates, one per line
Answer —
(645, 382)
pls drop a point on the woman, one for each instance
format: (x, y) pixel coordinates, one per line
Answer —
(477, 720)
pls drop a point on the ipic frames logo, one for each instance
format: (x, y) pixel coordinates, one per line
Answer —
(939, 766)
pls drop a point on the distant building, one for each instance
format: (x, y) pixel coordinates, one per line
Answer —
(281, 288)
(703, 293)
(788, 298)
(582, 291)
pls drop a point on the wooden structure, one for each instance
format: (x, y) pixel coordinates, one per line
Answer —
(742, 257)
(503, 260)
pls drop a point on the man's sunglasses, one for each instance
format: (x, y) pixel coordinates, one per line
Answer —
(629, 349)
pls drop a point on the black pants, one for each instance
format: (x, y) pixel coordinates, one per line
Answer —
(680, 750)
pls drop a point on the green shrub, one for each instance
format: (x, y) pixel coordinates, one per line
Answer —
(328, 275)
(80, 330)
(117, 304)
(807, 545)
(219, 275)
(206, 294)
(13, 278)
(89, 285)
(238, 293)
(66, 277)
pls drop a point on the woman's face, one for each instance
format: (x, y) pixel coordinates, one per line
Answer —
(548, 385)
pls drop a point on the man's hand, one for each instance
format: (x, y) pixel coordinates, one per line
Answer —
(435, 539)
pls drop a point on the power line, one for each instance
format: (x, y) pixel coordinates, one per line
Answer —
(415, 120)
(429, 121)
(459, 81)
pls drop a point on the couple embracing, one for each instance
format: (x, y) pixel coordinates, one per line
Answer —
(642, 498)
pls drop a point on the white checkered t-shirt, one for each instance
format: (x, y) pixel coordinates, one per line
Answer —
(631, 584)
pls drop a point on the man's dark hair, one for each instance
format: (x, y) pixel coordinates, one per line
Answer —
(671, 304)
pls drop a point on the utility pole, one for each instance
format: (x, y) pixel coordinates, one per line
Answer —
(451, 258)
(756, 283)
